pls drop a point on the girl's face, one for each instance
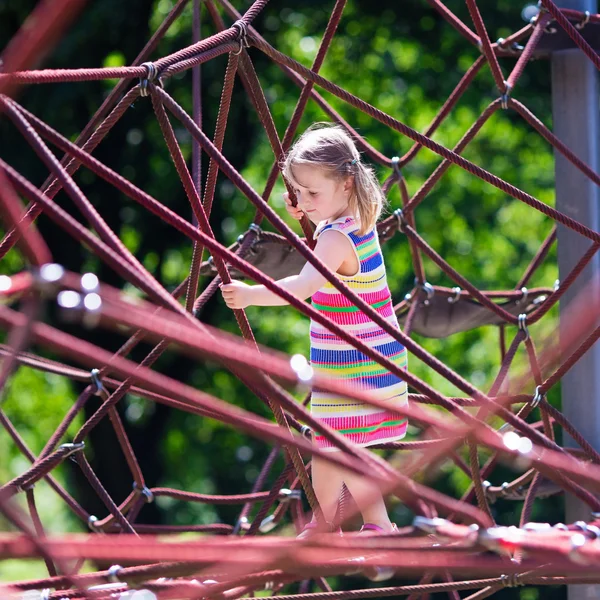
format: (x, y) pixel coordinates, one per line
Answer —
(321, 197)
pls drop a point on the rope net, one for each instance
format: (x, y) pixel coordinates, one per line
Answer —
(453, 544)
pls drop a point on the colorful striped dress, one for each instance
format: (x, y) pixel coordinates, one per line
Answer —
(333, 357)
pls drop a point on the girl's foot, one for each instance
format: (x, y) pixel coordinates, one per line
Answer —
(372, 572)
(313, 528)
(372, 529)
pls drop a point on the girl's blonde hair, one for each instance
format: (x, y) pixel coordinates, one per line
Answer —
(330, 148)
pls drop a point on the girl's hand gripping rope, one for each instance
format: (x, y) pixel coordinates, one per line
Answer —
(236, 294)
(294, 211)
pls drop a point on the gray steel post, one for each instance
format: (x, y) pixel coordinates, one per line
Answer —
(576, 118)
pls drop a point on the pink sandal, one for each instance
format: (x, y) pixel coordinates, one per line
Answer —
(371, 529)
(314, 528)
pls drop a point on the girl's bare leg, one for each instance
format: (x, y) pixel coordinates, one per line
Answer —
(327, 480)
(369, 499)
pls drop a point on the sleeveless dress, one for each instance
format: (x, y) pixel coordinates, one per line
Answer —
(333, 357)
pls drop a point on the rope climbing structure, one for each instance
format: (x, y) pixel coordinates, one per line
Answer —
(454, 544)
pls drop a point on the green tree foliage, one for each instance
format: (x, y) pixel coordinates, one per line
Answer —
(400, 57)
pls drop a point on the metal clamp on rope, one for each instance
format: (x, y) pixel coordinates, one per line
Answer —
(72, 448)
(255, 228)
(456, 296)
(578, 540)
(538, 397)
(523, 325)
(145, 491)
(267, 524)
(99, 388)
(306, 431)
(592, 530)
(286, 495)
(427, 288)
(113, 573)
(242, 27)
(504, 97)
(92, 523)
(514, 48)
(428, 525)
(242, 523)
(524, 297)
(511, 580)
(150, 76)
(486, 485)
(399, 214)
(47, 275)
(584, 22)
(396, 166)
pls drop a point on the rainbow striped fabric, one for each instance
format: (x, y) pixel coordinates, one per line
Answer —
(333, 357)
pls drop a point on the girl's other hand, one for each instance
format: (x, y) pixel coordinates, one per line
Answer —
(236, 294)
(294, 211)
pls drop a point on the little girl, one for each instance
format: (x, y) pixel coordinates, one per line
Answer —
(341, 195)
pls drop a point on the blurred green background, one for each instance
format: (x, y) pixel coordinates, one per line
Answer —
(402, 58)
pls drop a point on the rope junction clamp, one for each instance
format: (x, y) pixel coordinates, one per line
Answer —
(254, 228)
(150, 76)
(502, 493)
(306, 431)
(577, 542)
(511, 580)
(92, 523)
(145, 491)
(399, 214)
(72, 448)
(99, 388)
(514, 48)
(396, 166)
(113, 573)
(427, 288)
(456, 296)
(242, 28)
(524, 297)
(48, 273)
(586, 528)
(428, 525)
(242, 523)
(285, 495)
(523, 325)
(538, 397)
(584, 21)
(267, 524)
(504, 97)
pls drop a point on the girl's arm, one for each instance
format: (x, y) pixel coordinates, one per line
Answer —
(332, 248)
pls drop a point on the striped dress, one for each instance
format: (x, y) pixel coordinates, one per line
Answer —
(333, 357)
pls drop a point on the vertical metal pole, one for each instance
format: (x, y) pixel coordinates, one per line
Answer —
(575, 110)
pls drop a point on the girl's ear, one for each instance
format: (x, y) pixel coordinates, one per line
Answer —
(349, 183)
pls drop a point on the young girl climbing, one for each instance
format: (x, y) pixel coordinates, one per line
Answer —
(341, 195)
